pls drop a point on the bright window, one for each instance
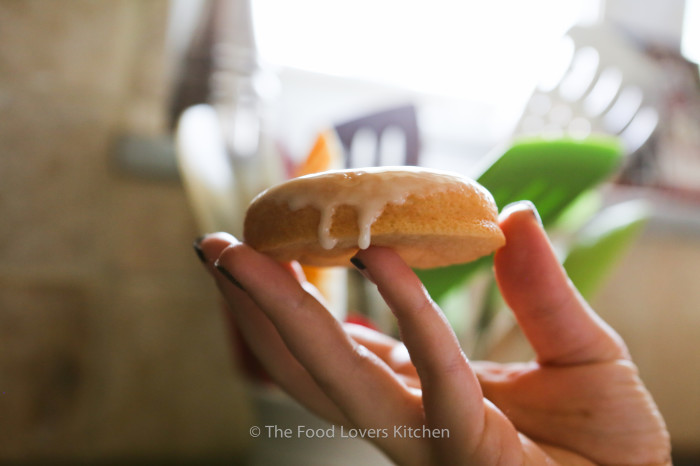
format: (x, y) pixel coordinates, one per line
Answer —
(484, 51)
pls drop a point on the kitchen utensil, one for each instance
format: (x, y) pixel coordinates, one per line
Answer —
(599, 245)
(598, 81)
(549, 173)
(378, 129)
(206, 171)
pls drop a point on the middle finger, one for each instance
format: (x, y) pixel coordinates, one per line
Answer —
(360, 383)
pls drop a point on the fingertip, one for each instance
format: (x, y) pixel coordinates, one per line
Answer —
(254, 272)
(210, 246)
(525, 237)
(219, 237)
(358, 261)
(519, 211)
(395, 280)
(198, 249)
(373, 257)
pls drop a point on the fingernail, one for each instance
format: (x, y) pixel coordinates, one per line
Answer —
(518, 206)
(228, 275)
(358, 263)
(198, 249)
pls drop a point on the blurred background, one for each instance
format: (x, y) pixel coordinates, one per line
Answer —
(112, 345)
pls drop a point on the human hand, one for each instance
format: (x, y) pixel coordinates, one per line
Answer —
(580, 402)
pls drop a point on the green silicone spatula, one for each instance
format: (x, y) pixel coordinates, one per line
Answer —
(551, 173)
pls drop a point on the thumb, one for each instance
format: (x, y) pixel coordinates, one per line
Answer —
(559, 324)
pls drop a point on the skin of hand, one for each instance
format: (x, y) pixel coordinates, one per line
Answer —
(580, 402)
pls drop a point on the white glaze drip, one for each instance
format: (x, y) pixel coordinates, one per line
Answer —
(324, 229)
(362, 192)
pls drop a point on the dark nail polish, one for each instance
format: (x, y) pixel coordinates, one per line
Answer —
(358, 263)
(228, 276)
(198, 249)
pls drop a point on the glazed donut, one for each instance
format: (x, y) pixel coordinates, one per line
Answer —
(431, 218)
